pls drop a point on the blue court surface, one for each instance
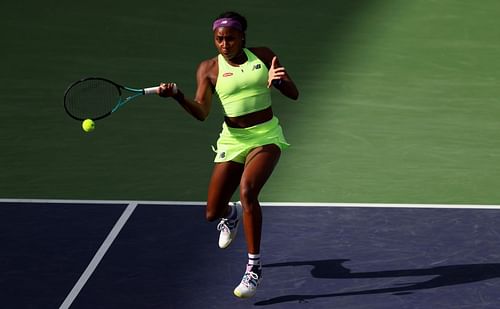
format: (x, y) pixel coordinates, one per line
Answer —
(91, 254)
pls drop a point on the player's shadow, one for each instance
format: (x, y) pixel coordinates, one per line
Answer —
(333, 269)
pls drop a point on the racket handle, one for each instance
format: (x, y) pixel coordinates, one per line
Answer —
(151, 90)
(155, 90)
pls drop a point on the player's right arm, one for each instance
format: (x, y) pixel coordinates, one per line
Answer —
(199, 107)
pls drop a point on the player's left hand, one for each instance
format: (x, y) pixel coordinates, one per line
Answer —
(277, 73)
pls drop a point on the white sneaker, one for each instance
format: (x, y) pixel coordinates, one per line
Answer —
(229, 228)
(248, 285)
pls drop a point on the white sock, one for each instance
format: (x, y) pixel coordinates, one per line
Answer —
(253, 260)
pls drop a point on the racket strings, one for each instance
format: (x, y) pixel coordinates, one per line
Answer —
(91, 99)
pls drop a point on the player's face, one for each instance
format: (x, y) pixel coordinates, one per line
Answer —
(229, 42)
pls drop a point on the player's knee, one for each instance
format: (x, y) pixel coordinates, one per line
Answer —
(248, 195)
(211, 214)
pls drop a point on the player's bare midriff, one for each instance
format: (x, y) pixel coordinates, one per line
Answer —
(251, 119)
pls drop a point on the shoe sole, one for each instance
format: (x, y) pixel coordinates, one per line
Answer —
(237, 294)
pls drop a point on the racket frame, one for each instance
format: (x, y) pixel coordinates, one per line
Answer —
(137, 92)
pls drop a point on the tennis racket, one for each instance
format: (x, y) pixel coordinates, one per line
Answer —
(95, 98)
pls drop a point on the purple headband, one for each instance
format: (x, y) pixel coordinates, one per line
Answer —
(227, 22)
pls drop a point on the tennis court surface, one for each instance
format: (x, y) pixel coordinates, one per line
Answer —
(93, 254)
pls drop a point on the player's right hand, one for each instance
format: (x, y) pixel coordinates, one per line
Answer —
(167, 90)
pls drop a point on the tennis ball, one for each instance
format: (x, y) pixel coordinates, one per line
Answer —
(88, 125)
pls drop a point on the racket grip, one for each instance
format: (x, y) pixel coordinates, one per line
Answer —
(155, 90)
(151, 90)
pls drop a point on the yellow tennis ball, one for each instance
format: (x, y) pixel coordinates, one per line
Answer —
(88, 125)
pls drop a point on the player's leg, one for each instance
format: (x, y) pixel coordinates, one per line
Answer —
(223, 183)
(259, 166)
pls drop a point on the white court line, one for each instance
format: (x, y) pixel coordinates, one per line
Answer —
(384, 205)
(289, 204)
(103, 202)
(98, 256)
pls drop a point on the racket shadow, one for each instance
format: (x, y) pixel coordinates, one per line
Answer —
(333, 269)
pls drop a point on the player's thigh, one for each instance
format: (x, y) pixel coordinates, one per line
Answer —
(259, 166)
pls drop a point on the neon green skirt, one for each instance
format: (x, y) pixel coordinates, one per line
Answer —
(234, 144)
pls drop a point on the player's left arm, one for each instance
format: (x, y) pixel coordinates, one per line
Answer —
(278, 75)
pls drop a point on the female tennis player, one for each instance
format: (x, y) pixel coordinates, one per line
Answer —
(251, 140)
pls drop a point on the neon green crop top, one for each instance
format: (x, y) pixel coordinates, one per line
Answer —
(243, 89)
